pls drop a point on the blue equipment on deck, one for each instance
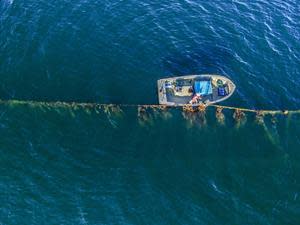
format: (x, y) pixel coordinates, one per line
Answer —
(222, 91)
(203, 87)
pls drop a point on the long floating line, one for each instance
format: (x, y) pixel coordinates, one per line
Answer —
(188, 107)
(145, 116)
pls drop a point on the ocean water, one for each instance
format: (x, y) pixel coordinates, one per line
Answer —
(62, 165)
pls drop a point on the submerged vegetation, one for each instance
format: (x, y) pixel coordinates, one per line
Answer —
(146, 114)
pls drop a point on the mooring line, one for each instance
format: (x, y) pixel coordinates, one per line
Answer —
(260, 111)
(187, 107)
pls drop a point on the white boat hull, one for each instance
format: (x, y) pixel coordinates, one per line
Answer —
(179, 91)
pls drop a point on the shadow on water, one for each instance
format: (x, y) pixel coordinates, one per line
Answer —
(204, 59)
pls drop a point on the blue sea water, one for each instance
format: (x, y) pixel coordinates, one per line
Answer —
(63, 165)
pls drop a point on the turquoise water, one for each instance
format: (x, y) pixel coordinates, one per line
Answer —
(81, 166)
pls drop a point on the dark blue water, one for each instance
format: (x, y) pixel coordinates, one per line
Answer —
(63, 165)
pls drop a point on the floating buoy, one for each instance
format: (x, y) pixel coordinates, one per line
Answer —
(259, 117)
(202, 108)
(188, 108)
(240, 117)
(238, 114)
(165, 113)
(220, 115)
(141, 111)
(143, 116)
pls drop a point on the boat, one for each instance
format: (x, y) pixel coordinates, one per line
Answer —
(194, 90)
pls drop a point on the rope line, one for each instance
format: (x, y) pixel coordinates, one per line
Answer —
(188, 107)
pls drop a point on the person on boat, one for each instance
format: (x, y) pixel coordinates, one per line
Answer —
(195, 99)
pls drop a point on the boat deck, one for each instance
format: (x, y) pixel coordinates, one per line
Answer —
(182, 92)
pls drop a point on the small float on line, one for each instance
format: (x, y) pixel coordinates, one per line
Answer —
(194, 90)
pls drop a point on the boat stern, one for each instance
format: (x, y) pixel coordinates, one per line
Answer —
(161, 90)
